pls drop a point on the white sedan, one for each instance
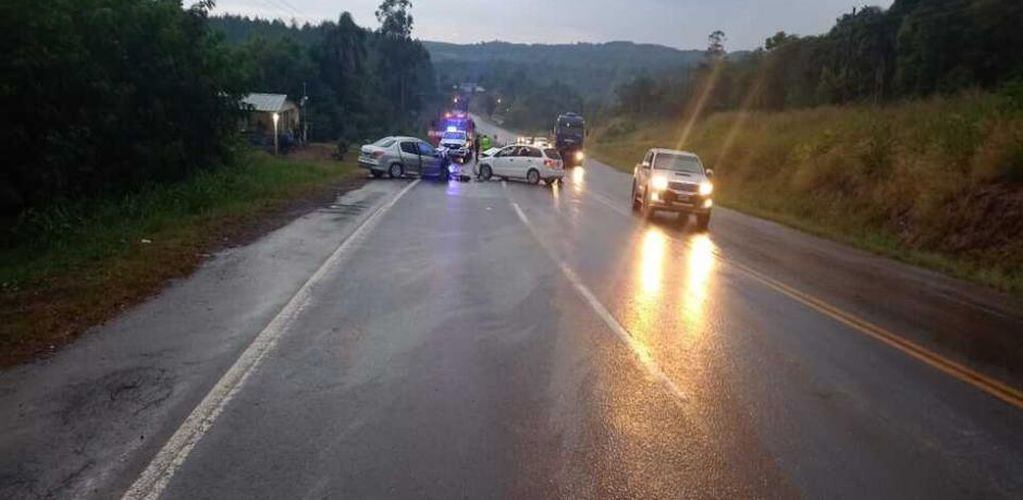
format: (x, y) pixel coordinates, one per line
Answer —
(528, 163)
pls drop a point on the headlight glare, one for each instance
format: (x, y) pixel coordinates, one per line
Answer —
(706, 188)
(659, 183)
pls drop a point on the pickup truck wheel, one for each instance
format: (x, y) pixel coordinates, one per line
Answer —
(702, 221)
(533, 176)
(635, 198)
(396, 171)
(486, 172)
(647, 209)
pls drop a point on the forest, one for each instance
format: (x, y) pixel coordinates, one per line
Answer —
(155, 98)
(360, 83)
(914, 49)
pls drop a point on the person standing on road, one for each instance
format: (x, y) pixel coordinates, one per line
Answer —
(476, 147)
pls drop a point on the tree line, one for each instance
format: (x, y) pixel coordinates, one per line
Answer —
(913, 49)
(360, 83)
(529, 85)
(105, 96)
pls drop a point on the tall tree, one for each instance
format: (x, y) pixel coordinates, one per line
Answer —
(401, 62)
(395, 19)
(341, 61)
(716, 46)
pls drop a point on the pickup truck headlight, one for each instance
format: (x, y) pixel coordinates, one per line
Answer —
(706, 188)
(659, 183)
(579, 156)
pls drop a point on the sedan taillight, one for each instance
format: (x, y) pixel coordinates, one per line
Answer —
(552, 163)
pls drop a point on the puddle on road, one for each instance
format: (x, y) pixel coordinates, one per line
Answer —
(345, 210)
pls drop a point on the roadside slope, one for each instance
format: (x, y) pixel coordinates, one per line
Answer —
(937, 183)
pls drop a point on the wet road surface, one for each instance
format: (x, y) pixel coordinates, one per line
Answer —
(505, 340)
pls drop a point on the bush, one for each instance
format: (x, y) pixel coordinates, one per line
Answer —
(342, 148)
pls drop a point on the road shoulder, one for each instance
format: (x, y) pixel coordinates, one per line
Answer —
(85, 421)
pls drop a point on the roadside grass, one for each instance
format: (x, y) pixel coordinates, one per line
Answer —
(75, 265)
(936, 183)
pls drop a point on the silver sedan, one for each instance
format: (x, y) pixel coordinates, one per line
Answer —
(400, 156)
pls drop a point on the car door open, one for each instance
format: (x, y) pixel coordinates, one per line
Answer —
(410, 157)
(431, 163)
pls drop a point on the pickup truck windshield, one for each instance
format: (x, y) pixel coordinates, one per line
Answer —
(677, 163)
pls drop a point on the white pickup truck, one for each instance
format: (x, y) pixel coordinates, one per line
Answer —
(668, 180)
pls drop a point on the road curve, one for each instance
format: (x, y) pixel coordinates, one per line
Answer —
(499, 339)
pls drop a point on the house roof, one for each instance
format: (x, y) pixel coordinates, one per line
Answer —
(270, 103)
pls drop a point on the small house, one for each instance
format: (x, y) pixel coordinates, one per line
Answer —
(259, 117)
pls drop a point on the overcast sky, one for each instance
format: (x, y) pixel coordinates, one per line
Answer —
(677, 23)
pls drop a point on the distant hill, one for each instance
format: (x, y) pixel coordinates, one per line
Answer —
(621, 55)
(592, 69)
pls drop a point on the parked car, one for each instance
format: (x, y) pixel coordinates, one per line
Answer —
(673, 181)
(529, 163)
(401, 156)
(457, 146)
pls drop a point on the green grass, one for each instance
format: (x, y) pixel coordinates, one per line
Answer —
(72, 265)
(937, 183)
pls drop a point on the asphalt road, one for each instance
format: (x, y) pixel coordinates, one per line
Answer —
(419, 339)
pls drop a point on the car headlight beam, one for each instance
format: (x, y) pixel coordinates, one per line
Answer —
(659, 183)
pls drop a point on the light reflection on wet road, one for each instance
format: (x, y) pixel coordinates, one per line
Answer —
(491, 339)
(546, 342)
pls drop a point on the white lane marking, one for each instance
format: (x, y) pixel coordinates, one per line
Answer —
(637, 348)
(155, 478)
(961, 372)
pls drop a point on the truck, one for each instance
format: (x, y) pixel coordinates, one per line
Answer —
(569, 135)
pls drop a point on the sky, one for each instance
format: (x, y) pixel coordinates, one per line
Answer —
(682, 24)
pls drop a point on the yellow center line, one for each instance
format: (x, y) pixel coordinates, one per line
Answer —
(983, 382)
(990, 385)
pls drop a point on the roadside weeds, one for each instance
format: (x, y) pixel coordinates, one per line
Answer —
(79, 266)
(933, 183)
